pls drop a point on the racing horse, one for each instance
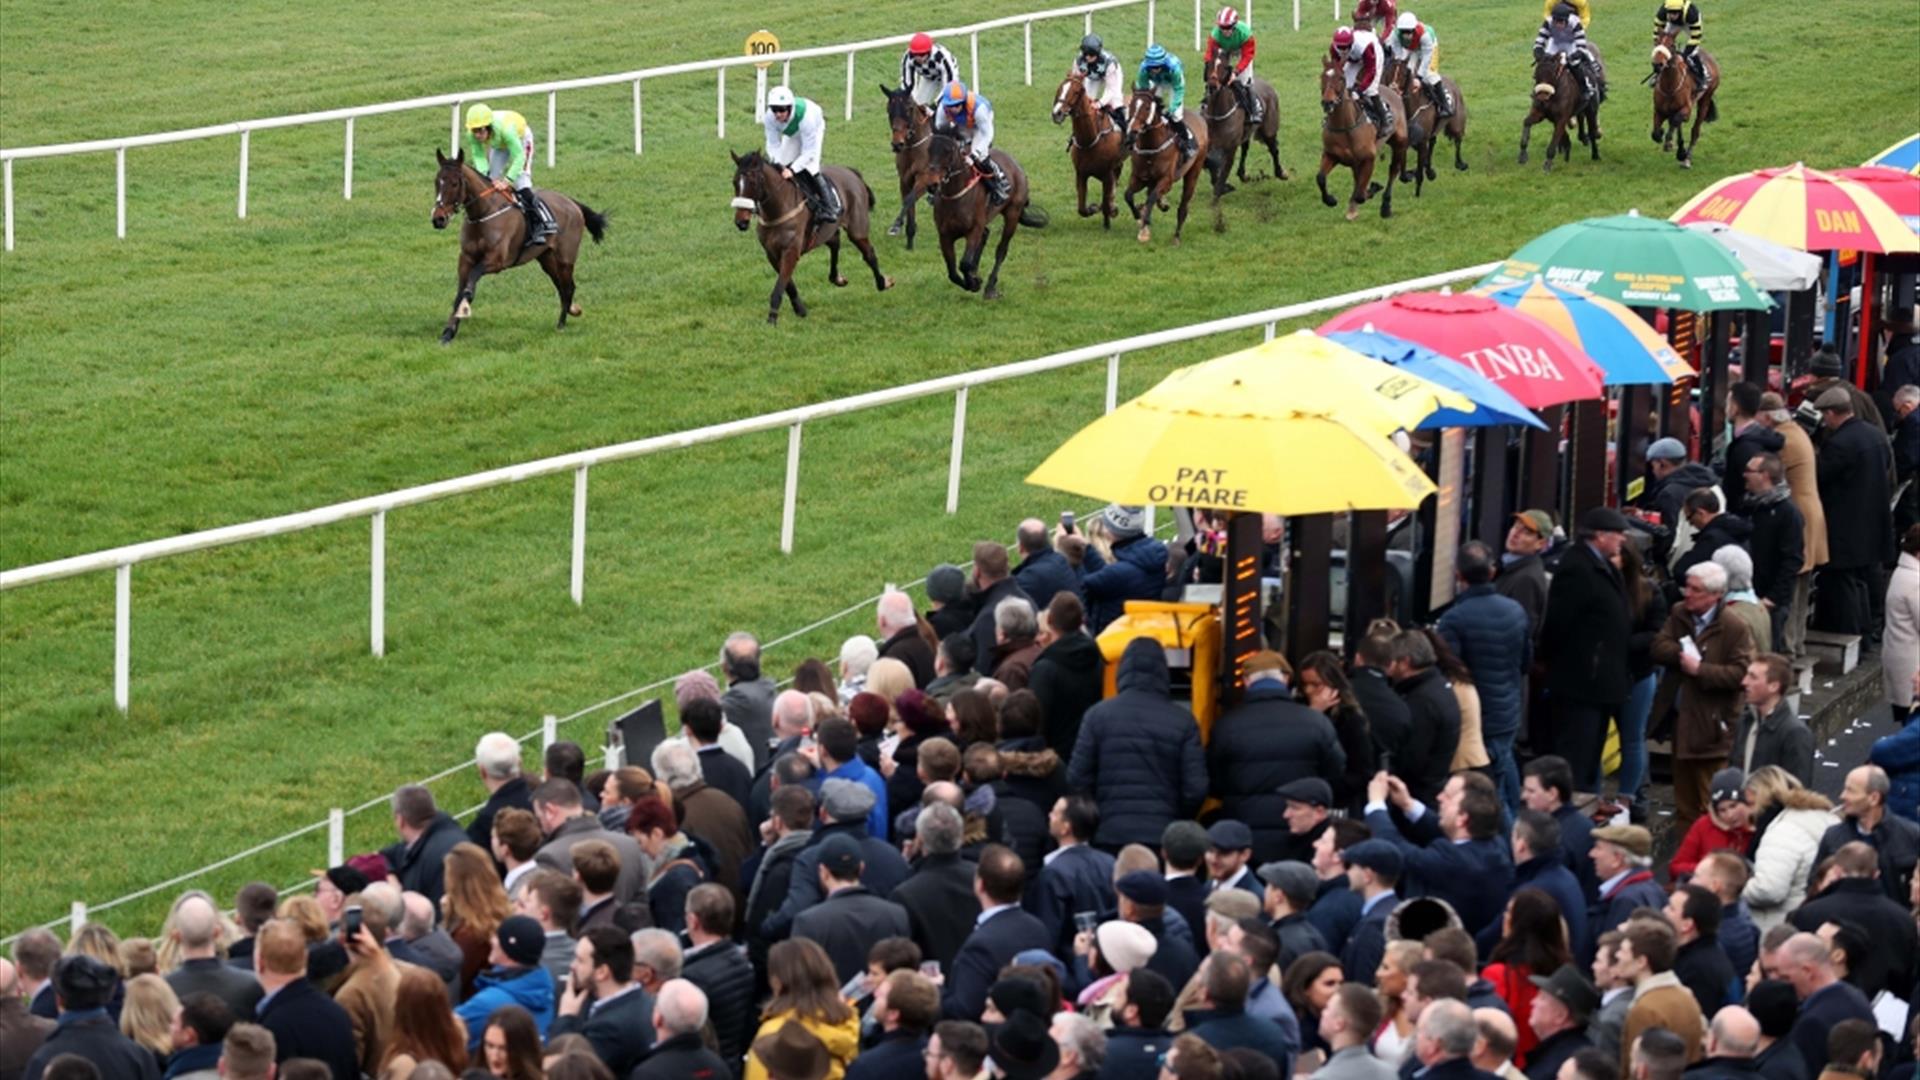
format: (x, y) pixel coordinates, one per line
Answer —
(786, 223)
(961, 209)
(493, 238)
(911, 127)
(1227, 127)
(1423, 126)
(1156, 162)
(1348, 137)
(1676, 97)
(1556, 98)
(1097, 146)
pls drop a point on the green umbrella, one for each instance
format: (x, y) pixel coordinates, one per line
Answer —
(1641, 262)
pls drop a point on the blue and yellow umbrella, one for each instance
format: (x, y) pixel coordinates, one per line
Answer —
(1903, 155)
(1628, 350)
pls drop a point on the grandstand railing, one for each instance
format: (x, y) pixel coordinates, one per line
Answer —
(719, 66)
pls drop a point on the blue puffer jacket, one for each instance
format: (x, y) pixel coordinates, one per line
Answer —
(1138, 572)
(1490, 634)
(1139, 754)
(1899, 754)
(530, 988)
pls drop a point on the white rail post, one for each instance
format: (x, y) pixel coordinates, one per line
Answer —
(1150, 523)
(786, 73)
(120, 193)
(453, 131)
(1089, 22)
(1248, 13)
(549, 731)
(614, 758)
(1113, 382)
(553, 123)
(1336, 10)
(959, 449)
(1027, 27)
(348, 187)
(579, 535)
(973, 57)
(1198, 18)
(1270, 331)
(849, 84)
(246, 149)
(636, 113)
(6, 181)
(378, 618)
(1150, 22)
(122, 636)
(760, 96)
(793, 490)
(722, 107)
(1296, 15)
(78, 918)
(336, 836)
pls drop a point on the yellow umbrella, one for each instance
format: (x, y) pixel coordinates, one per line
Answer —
(1299, 425)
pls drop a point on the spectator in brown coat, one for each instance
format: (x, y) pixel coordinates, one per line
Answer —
(1016, 630)
(1802, 475)
(706, 812)
(1706, 653)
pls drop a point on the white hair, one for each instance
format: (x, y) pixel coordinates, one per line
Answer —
(1014, 618)
(895, 611)
(1712, 577)
(682, 1007)
(1907, 395)
(1450, 1024)
(498, 755)
(196, 920)
(858, 654)
(675, 765)
(1739, 567)
(658, 949)
(419, 917)
(385, 896)
(792, 713)
(1082, 1036)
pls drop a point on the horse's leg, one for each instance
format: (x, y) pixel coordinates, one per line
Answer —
(1107, 210)
(907, 196)
(783, 284)
(1526, 134)
(833, 263)
(1553, 143)
(1686, 149)
(1080, 192)
(976, 247)
(1008, 223)
(471, 271)
(1245, 146)
(946, 249)
(860, 240)
(1155, 194)
(1396, 164)
(1362, 185)
(1326, 166)
(1186, 200)
(562, 275)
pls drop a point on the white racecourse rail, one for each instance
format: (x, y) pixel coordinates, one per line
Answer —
(122, 559)
(246, 128)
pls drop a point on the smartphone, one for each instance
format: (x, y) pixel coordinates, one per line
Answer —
(1066, 521)
(931, 969)
(1086, 921)
(1386, 763)
(350, 925)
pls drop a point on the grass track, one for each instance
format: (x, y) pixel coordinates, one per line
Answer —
(206, 371)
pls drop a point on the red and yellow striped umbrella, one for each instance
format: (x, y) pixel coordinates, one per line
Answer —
(1803, 208)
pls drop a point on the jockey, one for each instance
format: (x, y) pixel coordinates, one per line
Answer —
(1415, 44)
(1374, 15)
(1101, 71)
(968, 117)
(796, 130)
(502, 143)
(1234, 37)
(1683, 18)
(1563, 35)
(926, 69)
(1580, 8)
(1364, 64)
(1161, 73)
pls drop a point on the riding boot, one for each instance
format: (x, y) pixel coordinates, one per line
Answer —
(540, 223)
(1184, 136)
(820, 198)
(1382, 115)
(1699, 69)
(1119, 116)
(1442, 101)
(996, 180)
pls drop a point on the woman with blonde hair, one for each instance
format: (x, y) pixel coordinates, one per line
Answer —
(806, 990)
(147, 1016)
(1789, 820)
(889, 678)
(305, 912)
(1393, 1043)
(424, 1027)
(474, 906)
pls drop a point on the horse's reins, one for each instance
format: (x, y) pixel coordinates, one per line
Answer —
(485, 190)
(1106, 125)
(744, 203)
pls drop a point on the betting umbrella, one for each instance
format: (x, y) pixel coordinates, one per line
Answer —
(1621, 342)
(1903, 155)
(1899, 190)
(1775, 267)
(1803, 208)
(1640, 262)
(1492, 405)
(1519, 353)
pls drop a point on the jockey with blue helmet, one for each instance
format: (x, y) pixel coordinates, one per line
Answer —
(968, 118)
(1161, 73)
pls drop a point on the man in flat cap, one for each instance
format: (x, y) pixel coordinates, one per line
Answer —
(1583, 642)
(1373, 868)
(1229, 849)
(1143, 902)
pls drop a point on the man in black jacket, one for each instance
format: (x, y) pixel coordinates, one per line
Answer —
(1713, 528)
(1700, 964)
(849, 918)
(1732, 1040)
(1670, 476)
(1261, 745)
(1435, 713)
(1750, 438)
(1523, 571)
(720, 969)
(603, 1002)
(1143, 902)
(426, 835)
(497, 758)
(1857, 898)
(1583, 643)
(1043, 572)
(305, 1022)
(1778, 543)
(992, 583)
(1139, 1038)
(1866, 818)
(1002, 932)
(1387, 715)
(1139, 754)
(900, 636)
(1067, 675)
(678, 1052)
(82, 986)
(1853, 469)
(938, 895)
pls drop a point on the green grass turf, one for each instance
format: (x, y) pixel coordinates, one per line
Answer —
(207, 371)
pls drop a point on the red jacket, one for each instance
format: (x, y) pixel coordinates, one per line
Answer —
(1702, 840)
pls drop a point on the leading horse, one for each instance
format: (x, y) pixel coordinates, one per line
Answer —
(1228, 128)
(1348, 137)
(786, 223)
(1097, 146)
(1676, 97)
(1156, 162)
(493, 238)
(961, 209)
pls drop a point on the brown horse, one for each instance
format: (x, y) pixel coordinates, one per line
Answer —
(961, 209)
(1156, 162)
(1097, 147)
(786, 223)
(1424, 127)
(1676, 97)
(494, 235)
(1227, 127)
(1348, 137)
(912, 128)
(1556, 98)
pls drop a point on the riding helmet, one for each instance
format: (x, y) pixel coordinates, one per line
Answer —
(479, 116)
(1409, 22)
(1156, 56)
(1562, 12)
(1091, 45)
(1343, 38)
(954, 96)
(1227, 18)
(779, 97)
(921, 44)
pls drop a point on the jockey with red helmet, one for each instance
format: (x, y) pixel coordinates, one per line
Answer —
(926, 69)
(1233, 37)
(1374, 15)
(1363, 64)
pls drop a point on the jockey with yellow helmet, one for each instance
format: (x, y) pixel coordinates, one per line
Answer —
(1683, 18)
(1580, 8)
(1232, 36)
(796, 133)
(968, 118)
(501, 143)
(926, 68)
(1415, 44)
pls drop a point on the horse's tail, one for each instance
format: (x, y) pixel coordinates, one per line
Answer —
(1713, 110)
(1033, 217)
(596, 222)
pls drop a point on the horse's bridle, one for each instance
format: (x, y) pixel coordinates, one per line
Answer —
(1106, 122)
(1359, 114)
(741, 202)
(466, 197)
